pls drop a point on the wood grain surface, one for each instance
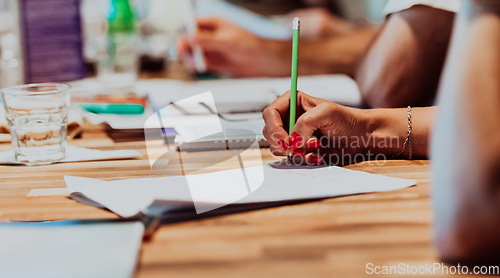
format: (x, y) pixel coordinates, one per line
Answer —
(335, 237)
(331, 238)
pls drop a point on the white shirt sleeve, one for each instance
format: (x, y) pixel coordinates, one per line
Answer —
(394, 6)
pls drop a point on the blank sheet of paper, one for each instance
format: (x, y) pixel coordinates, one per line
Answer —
(130, 197)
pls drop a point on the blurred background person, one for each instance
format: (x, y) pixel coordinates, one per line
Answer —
(329, 43)
(403, 66)
(234, 51)
(397, 68)
(466, 140)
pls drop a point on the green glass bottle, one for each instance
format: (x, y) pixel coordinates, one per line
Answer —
(120, 66)
(121, 18)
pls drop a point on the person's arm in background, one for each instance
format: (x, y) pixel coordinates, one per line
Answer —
(320, 23)
(239, 53)
(403, 65)
(466, 140)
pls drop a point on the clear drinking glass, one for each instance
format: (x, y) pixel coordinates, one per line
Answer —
(37, 115)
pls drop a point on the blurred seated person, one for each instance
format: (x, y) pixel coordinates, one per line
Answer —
(328, 45)
(466, 141)
(397, 68)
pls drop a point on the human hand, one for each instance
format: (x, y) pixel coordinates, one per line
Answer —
(335, 127)
(316, 23)
(232, 50)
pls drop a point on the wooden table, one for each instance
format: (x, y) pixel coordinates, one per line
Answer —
(331, 238)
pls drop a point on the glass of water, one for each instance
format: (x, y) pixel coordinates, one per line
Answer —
(37, 115)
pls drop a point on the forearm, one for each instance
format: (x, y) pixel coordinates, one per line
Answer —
(466, 141)
(403, 65)
(332, 55)
(335, 55)
(388, 129)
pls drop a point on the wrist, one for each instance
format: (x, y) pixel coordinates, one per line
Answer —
(386, 130)
(277, 57)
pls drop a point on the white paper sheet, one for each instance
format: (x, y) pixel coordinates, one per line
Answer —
(119, 122)
(130, 197)
(251, 94)
(230, 95)
(57, 250)
(76, 154)
(189, 128)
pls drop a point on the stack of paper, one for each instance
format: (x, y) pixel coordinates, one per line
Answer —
(70, 249)
(231, 95)
(198, 111)
(172, 198)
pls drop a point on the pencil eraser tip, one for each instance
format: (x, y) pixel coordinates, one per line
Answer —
(296, 23)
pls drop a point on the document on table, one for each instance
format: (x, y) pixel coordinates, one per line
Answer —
(119, 122)
(195, 121)
(70, 249)
(128, 198)
(203, 136)
(250, 94)
(231, 95)
(76, 154)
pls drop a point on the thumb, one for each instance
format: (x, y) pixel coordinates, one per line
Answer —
(306, 125)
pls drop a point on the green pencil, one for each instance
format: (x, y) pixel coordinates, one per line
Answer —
(295, 63)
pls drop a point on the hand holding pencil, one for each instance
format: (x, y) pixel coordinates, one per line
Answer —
(232, 50)
(315, 115)
(319, 124)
